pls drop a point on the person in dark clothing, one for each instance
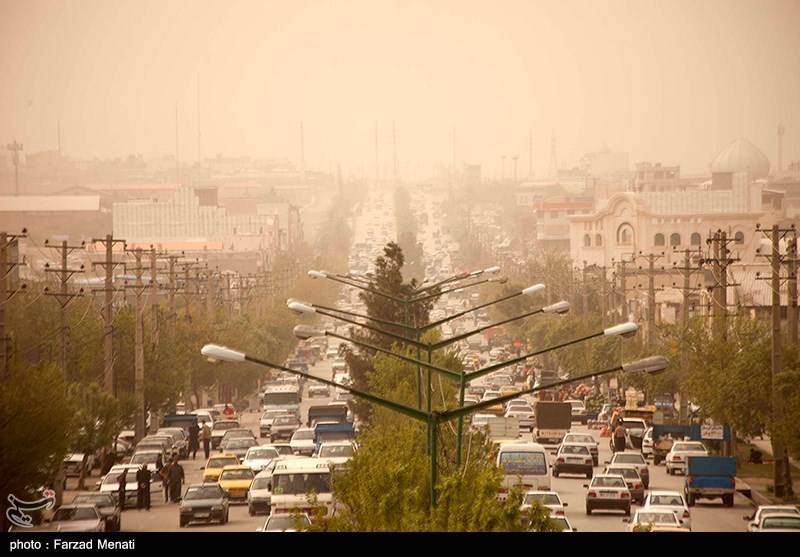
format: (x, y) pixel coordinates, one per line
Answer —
(122, 483)
(194, 444)
(108, 461)
(143, 488)
(619, 437)
(176, 477)
(159, 464)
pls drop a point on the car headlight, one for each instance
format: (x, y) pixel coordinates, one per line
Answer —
(186, 509)
(217, 508)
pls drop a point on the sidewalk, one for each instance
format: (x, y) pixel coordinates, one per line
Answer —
(758, 486)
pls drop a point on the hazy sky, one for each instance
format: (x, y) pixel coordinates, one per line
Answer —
(666, 80)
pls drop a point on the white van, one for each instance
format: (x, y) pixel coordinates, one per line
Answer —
(523, 463)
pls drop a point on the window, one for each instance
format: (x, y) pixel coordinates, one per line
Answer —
(695, 239)
(658, 240)
(598, 240)
(675, 239)
(625, 234)
(739, 238)
(587, 241)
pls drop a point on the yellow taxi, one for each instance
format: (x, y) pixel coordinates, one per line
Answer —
(235, 480)
(216, 463)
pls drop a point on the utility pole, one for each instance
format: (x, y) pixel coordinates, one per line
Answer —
(109, 379)
(15, 148)
(687, 270)
(64, 296)
(720, 262)
(585, 303)
(791, 313)
(173, 287)
(8, 262)
(211, 292)
(139, 424)
(651, 294)
(154, 296)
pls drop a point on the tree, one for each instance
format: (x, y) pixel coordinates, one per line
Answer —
(34, 442)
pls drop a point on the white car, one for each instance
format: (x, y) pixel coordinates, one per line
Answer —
(608, 492)
(583, 439)
(564, 523)
(647, 443)
(525, 418)
(302, 441)
(654, 520)
(147, 458)
(777, 522)
(259, 457)
(763, 510)
(335, 450)
(671, 501)
(548, 499)
(630, 457)
(677, 457)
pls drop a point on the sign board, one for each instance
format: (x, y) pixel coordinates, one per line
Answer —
(712, 432)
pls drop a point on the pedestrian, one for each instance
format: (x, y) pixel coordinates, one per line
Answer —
(228, 411)
(194, 431)
(159, 464)
(165, 480)
(122, 482)
(108, 461)
(619, 437)
(176, 478)
(143, 476)
(205, 436)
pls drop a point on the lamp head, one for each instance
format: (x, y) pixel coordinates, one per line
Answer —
(299, 308)
(216, 353)
(304, 332)
(653, 364)
(317, 274)
(533, 289)
(492, 270)
(559, 307)
(625, 330)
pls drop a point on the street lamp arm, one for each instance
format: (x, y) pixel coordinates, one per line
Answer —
(459, 276)
(223, 354)
(501, 280)
(450, 373)
(653, 364)
(528, 290)
(331, 276)
(462, 336)
(401, 338)
(623, 329)
(354, 314)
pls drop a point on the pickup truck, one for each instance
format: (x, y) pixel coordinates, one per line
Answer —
(710, 477)
(326, 413)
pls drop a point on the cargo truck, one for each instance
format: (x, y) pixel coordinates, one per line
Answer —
(553, 421)
(710, 477)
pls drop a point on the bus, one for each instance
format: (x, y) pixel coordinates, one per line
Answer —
(293, 480)
(286, 397)
(523, 463)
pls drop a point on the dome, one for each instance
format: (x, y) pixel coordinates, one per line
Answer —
(742, 156)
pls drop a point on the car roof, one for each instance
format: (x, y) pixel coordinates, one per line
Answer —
(223, 455)
(608, 476)
(235, 467)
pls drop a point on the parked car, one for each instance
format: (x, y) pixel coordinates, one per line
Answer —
(777, 522)
(73, 461)
(755, 519)
(70, 518)
(203, 502)
(107, 506)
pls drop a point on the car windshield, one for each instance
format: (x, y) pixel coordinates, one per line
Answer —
(629, 473)
(113, 479)
(238, 433)
(672, 500)
(299, 483)
(225, 425)
(260, 483)
(605, 481)
(579, 439)
(689, 447)
(303, 434)
(97, 499)
(331, 451)
(219, 462)
(286, 522)
(629, 458)
(561, 521)
(284, 420)
(283, 449)
(262, 453)
(574, 449)
(272, 414)
(543, 498)
(240, 474)
(657, 518)
(772, 521)
(81, 513)
(240, 443)
(204, 492)
(523, 463)
(144, 458)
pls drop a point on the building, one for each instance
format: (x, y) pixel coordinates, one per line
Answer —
(605, 163)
